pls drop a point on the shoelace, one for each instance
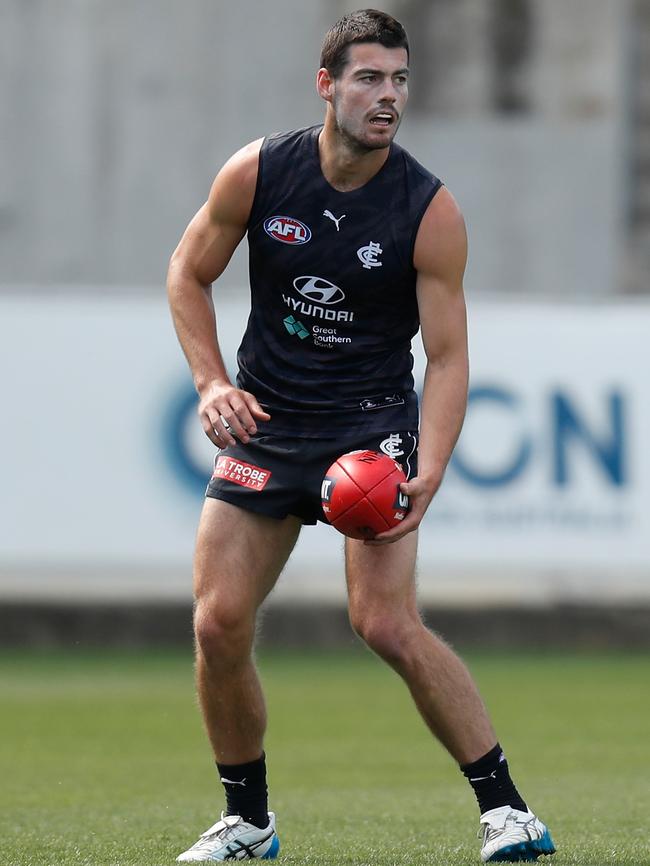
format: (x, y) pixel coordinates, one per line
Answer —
(225, 833)
(489, 832)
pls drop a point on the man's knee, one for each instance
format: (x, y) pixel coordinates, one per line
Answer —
(224, 631)
(392, 636)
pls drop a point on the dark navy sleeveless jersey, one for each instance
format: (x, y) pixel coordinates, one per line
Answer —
(333, 303)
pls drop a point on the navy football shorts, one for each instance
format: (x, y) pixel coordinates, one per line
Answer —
(281, 475)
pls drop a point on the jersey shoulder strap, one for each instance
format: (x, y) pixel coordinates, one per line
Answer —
(286, 159)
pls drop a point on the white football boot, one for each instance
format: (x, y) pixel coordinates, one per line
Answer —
(232, 838)
(511, 836)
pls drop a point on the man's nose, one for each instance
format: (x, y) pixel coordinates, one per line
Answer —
(388, 92)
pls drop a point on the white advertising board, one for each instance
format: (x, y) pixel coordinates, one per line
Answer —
(104, 461)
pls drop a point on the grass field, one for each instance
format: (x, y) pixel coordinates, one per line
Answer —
(103, 760)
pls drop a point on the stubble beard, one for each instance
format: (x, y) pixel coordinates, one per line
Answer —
(354, 144)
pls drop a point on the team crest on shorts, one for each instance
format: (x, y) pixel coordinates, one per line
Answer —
(244, 474)
(392, 446)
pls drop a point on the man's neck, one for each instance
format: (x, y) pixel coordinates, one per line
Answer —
(345, 167)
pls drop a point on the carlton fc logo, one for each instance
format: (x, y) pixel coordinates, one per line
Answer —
(287, 230)
(319, 290)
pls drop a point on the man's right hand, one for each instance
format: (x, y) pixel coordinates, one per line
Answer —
(225, 410)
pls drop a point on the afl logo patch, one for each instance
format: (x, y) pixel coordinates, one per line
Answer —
(287, 230)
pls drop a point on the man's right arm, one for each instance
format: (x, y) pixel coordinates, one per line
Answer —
(201, 256)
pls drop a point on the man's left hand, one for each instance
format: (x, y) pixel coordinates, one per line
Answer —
(420, 492)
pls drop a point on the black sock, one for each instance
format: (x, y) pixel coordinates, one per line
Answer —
(246, 791)
(491, 781)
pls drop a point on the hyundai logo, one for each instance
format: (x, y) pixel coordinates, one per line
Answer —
(319, 290)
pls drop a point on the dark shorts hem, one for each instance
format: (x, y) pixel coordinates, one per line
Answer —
(254, 506)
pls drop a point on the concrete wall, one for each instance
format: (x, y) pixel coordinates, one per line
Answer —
(115, 116)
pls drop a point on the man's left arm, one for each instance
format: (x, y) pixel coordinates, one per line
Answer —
(440, 256)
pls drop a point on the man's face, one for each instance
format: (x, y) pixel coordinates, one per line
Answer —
(369, 96)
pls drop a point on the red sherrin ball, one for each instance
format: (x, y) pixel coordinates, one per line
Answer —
(360, 494)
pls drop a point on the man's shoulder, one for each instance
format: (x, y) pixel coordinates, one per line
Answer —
(241, 168)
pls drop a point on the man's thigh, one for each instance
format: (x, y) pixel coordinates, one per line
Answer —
(381, 577)
(239, 554)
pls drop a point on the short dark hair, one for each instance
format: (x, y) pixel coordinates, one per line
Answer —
(365, 25)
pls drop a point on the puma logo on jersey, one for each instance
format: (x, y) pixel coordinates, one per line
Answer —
(330, 216)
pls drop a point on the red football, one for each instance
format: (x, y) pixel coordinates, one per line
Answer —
(360, 494)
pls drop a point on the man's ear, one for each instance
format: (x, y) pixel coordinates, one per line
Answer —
(324, 84)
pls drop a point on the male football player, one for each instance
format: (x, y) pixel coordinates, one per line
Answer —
(353, 245)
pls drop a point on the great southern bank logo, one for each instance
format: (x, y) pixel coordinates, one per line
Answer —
(558, 439)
